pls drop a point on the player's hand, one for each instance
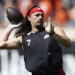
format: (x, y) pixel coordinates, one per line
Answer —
(14, 26)
(48, 25)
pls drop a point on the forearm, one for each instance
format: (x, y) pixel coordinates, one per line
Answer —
(6, 34)
(15, 43)
(10, 44)
(63, 40)
(57, 33)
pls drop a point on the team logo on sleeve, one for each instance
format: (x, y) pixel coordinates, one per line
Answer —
(28, 41)
(46, 36)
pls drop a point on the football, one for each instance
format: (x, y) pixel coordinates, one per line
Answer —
(14, 15)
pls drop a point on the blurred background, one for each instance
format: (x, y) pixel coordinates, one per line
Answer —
(62, 13)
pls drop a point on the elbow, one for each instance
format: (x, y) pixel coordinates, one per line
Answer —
(2, 45)
(68, 44)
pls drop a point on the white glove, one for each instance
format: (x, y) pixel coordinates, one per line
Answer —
(13, 26)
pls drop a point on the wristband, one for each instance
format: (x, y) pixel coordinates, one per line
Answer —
(13, 26)
(9, 26)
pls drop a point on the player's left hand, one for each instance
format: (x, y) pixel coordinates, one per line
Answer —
(48, 25)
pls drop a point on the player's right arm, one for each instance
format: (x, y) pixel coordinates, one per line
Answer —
(12, 44)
